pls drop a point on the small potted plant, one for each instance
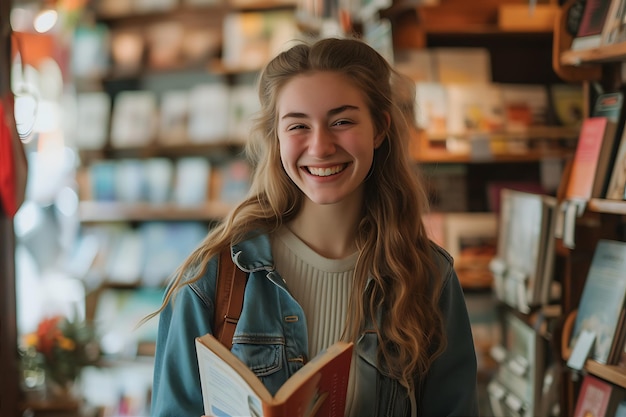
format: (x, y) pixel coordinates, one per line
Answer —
(60, 348)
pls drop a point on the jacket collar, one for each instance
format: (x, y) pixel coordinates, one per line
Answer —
(254, 253)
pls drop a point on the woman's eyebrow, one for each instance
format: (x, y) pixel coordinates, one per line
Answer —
(331, 112)
(294, 115)
(341, 109)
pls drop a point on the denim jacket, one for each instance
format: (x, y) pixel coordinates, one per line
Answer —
(271, 338)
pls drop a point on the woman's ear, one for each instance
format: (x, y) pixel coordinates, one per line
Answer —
(382, 135)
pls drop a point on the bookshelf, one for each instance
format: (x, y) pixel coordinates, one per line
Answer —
(521, 56)
(597, 68)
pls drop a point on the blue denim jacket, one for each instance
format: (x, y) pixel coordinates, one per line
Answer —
(271, 338)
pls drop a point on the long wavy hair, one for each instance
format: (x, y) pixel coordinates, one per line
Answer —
(394, 250)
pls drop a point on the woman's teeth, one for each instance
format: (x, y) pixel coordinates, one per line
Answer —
(325, 172)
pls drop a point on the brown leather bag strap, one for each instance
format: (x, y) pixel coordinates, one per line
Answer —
(230, 287)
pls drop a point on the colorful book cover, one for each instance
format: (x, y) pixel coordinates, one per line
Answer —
(598, 398)
(602, 299)
(591, 156)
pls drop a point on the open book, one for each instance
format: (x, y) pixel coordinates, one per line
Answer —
(230, 388)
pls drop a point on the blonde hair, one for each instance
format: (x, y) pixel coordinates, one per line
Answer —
(393, 247)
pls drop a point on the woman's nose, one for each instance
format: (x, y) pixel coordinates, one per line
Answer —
(322, 143)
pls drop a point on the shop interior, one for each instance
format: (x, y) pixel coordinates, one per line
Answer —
(132, 119)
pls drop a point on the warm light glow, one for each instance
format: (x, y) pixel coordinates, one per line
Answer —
(45, 21)
(20, 19)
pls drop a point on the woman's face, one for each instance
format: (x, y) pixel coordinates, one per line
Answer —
(326, 135)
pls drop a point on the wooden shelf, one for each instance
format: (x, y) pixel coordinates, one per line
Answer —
(611, 373)
(154, 150)
(213, 66)
(534, 144)
(97, 211)
(598, 205)
(219, 9)
(535, 133)
(485, 30)
(442, 156)
(607, 53)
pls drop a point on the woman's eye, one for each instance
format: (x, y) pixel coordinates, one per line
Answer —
(296, 127)
(342, 122)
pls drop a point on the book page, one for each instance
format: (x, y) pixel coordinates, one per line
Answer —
(225, 393)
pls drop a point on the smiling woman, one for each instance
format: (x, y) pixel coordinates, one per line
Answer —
(327, 138)
(334, 248)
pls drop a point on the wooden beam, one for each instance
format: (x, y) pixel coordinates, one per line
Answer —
(9, 388)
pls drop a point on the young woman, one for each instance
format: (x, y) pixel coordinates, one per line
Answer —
(334, 246)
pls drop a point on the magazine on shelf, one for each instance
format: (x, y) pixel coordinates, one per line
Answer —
(602, 300)
(589, 169)
(525, 249)
(589, 34)
(598, 398)
(230, 388)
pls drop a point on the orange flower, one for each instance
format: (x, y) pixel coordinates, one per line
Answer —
(31, 340)
(47, 333)
(65, 343)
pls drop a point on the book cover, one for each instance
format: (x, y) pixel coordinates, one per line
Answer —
(597, 398)
(522, 367)
(134, 120)
(470, 238)
(174, 117)
(125, 260)
(166, 245)
(525, 245)
(613, 29)
(591, 158)
(93, 118)
(251, 38)
(610, 104)
(209, 105)
(616, 189)
(524, 106)
(589, 34)
(462, 65)
(602, 299)
(192, 179)
(101, 178)
(567, 104)
(234, 181)
(230, 388)
(128, 46)
(431, 109)
(90, 45)
(418, 64)
(130, 181)
(244, 104)
(164, 42)
(474, 108)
